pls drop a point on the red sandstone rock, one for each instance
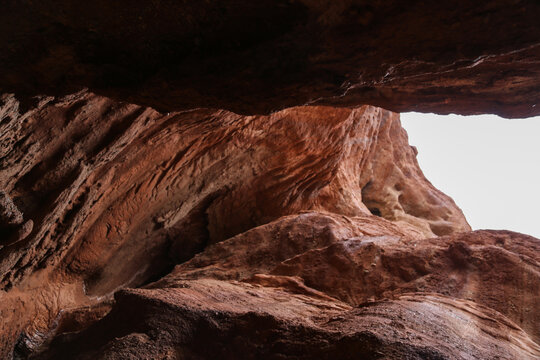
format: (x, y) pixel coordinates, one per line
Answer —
(118, 174)
(496, 269)
(120, 193)
(306, 233)
(250, 57)
(204, 319)
(280, 210)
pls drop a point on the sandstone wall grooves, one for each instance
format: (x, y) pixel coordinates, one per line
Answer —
(311, 223)
(96, 173)
(118, 194)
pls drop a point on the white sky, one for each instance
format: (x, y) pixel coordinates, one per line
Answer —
(490, 166)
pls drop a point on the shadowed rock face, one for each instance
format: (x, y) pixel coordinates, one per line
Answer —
(257, 57)
(198, 228)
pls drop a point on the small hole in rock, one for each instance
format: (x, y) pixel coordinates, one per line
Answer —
(375, 211)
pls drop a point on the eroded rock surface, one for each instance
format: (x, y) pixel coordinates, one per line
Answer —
(261, 56)
(324, 286)
(119, 193)
(307, 233)
(13, 228)
(362, 268)
(201, 179)
(178, 323)
(103, 180)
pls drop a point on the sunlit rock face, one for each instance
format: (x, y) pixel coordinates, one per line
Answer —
(192, 180)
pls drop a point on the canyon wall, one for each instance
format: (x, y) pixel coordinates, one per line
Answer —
(192, 180)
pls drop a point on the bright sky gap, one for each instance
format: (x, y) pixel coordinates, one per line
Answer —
(490, 166)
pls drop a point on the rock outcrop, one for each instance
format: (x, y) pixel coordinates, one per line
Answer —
(251, 57)
(179, 323)
(192, 180)
(324, 204)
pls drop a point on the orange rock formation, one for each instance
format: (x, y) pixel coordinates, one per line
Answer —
(263, 207)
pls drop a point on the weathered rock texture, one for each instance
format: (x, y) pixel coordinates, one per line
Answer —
(313, 222)
(262, 207)
(179, 323)
(259, 56)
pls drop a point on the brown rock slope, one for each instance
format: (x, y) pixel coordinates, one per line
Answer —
(260, 56)
(248, 237)
(118, 194)
(207, 319)
(495, 269)
(368, 296)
